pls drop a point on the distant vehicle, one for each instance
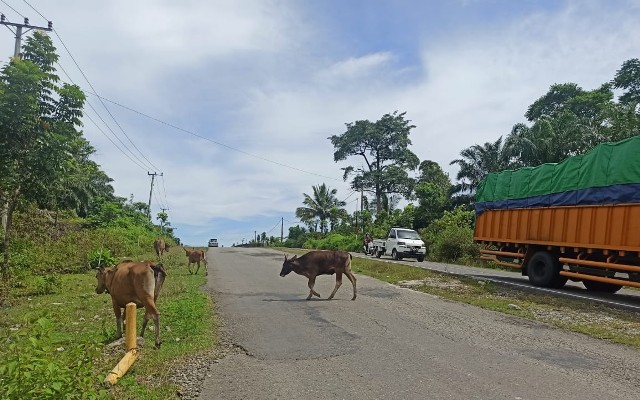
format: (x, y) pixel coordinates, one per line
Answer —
(213, 242)
(400, 243)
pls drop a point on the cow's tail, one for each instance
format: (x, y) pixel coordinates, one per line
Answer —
(158, 274)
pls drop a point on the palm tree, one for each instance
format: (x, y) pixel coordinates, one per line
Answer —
(476, 162)
(319, 207)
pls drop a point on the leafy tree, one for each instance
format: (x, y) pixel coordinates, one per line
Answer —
(320, 207)
(384, 147)
(628, 79)
(38, 128)
(475, 163)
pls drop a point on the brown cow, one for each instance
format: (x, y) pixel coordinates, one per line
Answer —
(194, 257)
(321, 262)
(137, 282)
(160, 246)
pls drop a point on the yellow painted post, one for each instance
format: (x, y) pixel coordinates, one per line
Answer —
(130, 330)
(132, 347)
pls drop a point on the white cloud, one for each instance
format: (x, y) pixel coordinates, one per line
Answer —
(260, 77)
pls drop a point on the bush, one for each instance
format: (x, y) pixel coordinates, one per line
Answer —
(34, 365)
(101, 259)
(450, 238)
(335, 241)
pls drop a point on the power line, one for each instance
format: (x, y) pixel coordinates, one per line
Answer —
(211, 140)
(14, 10)
(102, 102)
(108, 127)
(34, 10)
(95, 91)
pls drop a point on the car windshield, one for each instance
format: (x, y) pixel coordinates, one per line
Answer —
(408, 235)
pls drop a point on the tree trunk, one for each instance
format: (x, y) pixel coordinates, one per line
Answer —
(11, 205)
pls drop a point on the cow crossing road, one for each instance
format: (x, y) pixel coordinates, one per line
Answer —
(392, 343)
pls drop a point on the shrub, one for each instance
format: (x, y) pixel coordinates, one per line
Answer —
(35, 365)
(101, 259)
(450, 237)
(335, 241)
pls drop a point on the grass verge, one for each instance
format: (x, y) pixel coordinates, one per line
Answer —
(79, 317)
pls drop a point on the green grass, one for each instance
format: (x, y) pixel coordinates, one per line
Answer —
(80, 315)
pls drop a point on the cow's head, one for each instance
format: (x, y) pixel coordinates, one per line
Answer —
(287, 265)
(101, 276)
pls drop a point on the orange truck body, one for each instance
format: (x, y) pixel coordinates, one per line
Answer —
(596, 244)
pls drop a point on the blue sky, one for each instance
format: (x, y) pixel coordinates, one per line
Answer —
(276, 78)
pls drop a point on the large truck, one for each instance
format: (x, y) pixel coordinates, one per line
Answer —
(400, 243)
(578, 219)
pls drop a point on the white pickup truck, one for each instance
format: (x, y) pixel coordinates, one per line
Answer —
(400, 243)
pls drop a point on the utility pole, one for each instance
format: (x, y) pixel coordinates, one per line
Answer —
(281, 231)
(153, 177)
(19, 31)
(162, 222)
(16, 53)
(255, 237)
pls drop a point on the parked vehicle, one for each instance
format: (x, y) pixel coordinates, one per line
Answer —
(578, 219)
(213, 242)
(400, 243)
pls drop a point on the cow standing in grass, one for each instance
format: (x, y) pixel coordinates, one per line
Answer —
(160, 246)
(321, 262)
(133, 282)
(195, 257)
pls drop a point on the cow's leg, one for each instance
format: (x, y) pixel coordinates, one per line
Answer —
(312, 282)
(338, 284)
(198, 269)
(189, 267)
(205, 267)
(352, 278)
(117, 312)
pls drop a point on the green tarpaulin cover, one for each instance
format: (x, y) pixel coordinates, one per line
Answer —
(605, 165)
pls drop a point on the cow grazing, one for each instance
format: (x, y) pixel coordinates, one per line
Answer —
(160, 246)
(133, 282)
(321, 262)
(194, 257)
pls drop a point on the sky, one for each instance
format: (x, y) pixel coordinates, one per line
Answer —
(233, 101)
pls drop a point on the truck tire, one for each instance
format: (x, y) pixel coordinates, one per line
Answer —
(604, 287)
(395, 255)
(543, 270)
(379, 253)
(420, 258)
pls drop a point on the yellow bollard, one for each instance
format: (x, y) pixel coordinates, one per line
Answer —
(132, 347)
(130, 330)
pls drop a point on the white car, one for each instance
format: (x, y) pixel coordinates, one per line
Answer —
(401, 243)
(213, 242)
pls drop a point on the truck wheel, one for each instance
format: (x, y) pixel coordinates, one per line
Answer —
(394, 255)
(379, 253)
(421, 259)
(543, 269)
(596, 286)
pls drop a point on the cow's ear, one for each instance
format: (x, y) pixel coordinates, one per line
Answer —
(285, 258)
(100, 269)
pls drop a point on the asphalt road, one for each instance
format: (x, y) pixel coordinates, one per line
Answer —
(392, 343)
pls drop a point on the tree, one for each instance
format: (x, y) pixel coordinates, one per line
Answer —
(38, 128)
(384, 147)
(433, 194)
(476, 162)
(628, 79)
(319, 207)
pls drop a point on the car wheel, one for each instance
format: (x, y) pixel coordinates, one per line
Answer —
(421, 259)
(394, 255)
